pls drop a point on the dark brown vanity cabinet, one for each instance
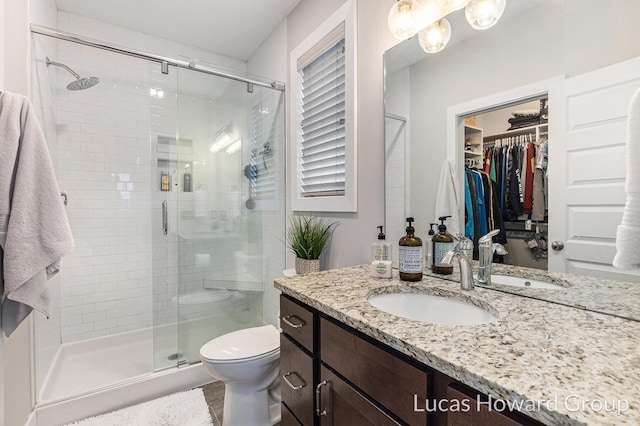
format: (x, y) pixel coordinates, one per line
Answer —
(334, 375)
(298, 362)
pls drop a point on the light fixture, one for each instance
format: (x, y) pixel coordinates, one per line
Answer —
(426, 17)
(402, 20)
(453, 5)
(435, 37)
(222, 139)
(234, 147)
(483, 14)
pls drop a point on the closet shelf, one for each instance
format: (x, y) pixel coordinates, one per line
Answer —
(537, 130)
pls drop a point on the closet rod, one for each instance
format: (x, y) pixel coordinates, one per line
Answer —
(74, 38)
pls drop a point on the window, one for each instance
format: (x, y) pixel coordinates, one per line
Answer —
(264, 134)
(322, 102)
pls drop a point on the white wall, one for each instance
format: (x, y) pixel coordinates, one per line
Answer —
(560, 40)
(16, 349)
(352, 239)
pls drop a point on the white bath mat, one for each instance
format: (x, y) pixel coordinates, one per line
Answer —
(179, 409)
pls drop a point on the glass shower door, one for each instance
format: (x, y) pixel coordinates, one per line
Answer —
(225, 170)
(163, 105)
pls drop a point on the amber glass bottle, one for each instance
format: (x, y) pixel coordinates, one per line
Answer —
(410, 255)
(442, 243)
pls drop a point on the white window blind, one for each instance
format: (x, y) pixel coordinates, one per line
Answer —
(321, 130)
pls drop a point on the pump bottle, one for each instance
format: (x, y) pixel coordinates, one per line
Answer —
(410, 255)
(429, 256)
(381, 257)
(442, 243)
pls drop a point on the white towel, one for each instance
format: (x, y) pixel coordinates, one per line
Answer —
(447, 198)
(34, 229)
(628, 233)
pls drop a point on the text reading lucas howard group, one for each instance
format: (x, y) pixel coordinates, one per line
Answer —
(571, 403)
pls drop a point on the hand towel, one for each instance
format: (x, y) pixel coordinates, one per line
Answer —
(34, 229)
(447, 197)
(628, 232)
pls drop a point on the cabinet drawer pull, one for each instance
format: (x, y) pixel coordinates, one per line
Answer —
(290, 324)
(291, 385)
(318, 388)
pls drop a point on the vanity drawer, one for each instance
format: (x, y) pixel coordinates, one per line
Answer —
(384, 377)
(343, 405)
(296, 380)
(297, 322)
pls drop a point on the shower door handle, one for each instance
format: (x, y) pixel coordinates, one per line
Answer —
(165, 219)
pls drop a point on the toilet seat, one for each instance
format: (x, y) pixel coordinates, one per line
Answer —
(243, 345)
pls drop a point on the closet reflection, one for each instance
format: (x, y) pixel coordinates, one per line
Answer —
(506, 181)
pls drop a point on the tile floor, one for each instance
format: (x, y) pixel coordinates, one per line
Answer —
(214, 395)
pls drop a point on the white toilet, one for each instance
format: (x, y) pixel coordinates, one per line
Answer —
(248, 362)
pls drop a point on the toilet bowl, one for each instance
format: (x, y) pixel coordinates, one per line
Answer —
(248, 362)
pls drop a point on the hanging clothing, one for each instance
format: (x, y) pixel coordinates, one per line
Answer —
(513, 205)
(474, 206)
(447, 197)
(528, 190)
(482, 211)
(469, 230)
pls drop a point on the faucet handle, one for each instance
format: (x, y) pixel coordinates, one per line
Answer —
(499, 249)
(489, 236)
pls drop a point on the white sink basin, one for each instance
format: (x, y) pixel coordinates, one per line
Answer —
(523, 282)
(431, 309)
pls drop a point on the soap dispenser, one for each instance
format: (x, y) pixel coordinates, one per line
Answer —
(442, 243)
(410, 255)
(381, 257)
(429, 256)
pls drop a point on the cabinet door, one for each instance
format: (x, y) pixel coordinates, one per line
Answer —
(388, 380)
(296, 372)
(288, 419)
(340, 404)
(476, 414)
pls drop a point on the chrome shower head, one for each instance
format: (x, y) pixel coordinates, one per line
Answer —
(80, 83)
(83, 83)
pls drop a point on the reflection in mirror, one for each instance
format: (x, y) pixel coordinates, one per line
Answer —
(436, 93)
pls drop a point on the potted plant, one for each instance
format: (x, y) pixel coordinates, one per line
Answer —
(307, 238)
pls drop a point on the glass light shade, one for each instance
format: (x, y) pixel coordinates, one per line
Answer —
(483, 14)
(435, 37)
(402, 20)
(452, 5)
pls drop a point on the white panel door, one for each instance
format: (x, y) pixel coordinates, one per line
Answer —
(587, 166)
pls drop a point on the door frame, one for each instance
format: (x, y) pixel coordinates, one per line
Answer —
(457, 113)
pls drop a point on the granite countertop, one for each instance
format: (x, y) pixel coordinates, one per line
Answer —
(565, 361)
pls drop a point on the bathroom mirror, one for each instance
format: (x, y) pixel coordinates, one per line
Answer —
(539, 49)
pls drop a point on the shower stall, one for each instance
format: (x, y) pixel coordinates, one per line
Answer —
(173, 177)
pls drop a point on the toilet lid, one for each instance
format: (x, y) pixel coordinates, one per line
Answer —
(246, 343)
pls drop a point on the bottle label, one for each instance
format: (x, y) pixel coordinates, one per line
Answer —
(381, 253)
(439, 250)
(410, 259)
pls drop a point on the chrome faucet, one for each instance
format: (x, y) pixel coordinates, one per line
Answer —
(486, 248)
(466, 271)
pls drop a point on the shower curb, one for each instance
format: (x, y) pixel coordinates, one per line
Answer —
(126, 394)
